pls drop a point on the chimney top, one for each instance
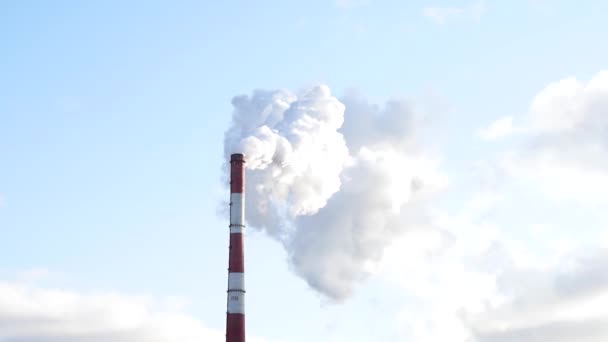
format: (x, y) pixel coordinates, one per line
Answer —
(237, 157)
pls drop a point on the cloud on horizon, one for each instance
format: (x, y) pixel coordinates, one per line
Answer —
(567, 302)
(29, 313)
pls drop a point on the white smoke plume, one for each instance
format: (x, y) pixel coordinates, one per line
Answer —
(334, 181)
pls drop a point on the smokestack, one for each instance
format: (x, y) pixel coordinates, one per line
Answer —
(235, 320)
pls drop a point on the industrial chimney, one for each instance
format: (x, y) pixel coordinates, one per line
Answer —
(235, 320)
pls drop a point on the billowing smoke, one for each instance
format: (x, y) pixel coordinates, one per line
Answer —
(334, 181)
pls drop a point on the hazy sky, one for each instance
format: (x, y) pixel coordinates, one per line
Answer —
(472, 177)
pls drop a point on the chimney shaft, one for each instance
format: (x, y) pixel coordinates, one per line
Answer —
(235, 320)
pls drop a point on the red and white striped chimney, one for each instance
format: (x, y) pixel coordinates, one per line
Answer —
(235, 320)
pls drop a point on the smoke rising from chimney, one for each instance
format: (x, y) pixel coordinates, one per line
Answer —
(334, 181)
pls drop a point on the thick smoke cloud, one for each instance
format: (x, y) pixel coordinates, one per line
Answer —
(334, 181)
(293, 150)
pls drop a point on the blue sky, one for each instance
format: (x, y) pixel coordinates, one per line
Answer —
(112, 121)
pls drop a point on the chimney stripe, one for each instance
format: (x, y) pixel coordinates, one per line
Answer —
(236, 258)
(235, 327)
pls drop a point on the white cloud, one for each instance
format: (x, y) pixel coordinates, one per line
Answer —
(559, 177)
(565, 151)
(29, 313)
(442, 14)
(471, 283)
(445, 268)
(498, 129)
(469, 280)
(484, 200)
(546, 286)
(568, 302)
